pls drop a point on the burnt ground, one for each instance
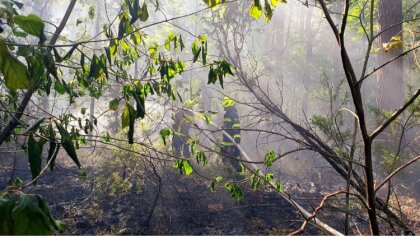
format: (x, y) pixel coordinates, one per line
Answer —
(184, 205)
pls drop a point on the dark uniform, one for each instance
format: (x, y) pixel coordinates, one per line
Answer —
(181, 129)
(231, 126)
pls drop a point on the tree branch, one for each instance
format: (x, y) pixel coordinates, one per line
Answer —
(396, 172)
(386, 63)
(394, 116)
(253, 167)
(5, 133)
(63, 22)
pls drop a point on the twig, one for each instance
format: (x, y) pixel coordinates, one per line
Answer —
(386, 63)
(394, 116)
(396, 172)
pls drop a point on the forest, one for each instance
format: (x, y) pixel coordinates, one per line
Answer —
(214, 117)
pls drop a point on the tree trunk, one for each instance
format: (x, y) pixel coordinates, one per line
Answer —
(98, 46)
(390, 78)
(7, 131)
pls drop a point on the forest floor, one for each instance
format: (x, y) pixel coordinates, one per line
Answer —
(184, 205)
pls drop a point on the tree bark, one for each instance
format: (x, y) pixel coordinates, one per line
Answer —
(390, 78)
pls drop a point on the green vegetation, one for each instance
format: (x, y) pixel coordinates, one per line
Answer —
(107, 77)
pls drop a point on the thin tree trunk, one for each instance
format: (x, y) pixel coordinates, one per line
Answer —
(7, 131)
(97, 45)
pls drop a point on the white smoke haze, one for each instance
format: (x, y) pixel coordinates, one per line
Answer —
(288, 74)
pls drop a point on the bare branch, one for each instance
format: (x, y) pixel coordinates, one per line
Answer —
(385, 64)
(396, 172)
(394, 116)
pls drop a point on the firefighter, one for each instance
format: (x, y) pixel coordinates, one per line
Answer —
(181, 128)
(231, 126)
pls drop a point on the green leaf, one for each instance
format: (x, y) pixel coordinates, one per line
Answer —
(190, 103)
(136, 38)
(178, 165)
(168, 41)
(213, 186)
(123, 26)
(20, 34)
(91, 12)
(235, 191)
(140, 105)
(202, 38)
(31, 24)
(181, 42)
(59, 87)
(256, 10)
(200, 156)
(275, 2)
(226, 68)
(43, 205)
(134, 11)
(35, 155)
(187, 167)
(207, 118)
(128, 119)
(213, 3)
(18, 4)
(269, 158)
(204, 52)
(96, 68)
(215, 181)
(53, 149)
(78, 22)
(52, 154)
(34, 127)
(82, 63)
(70, 52)
(200, 116)
(195, 50)
(83, 175)
(6, 223)
(107, 138)
(125, 117)
(279, 187)
(67, 143)
(108, 55)
(212, 76)
(268, 177)
(114, 104)
(267, 11)
(212, 112)
(164, 134)
(143, 13)
(18, 182)
(29, 219)
(255, 182)
(15, 72)
(227, 102)
(183, 166)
